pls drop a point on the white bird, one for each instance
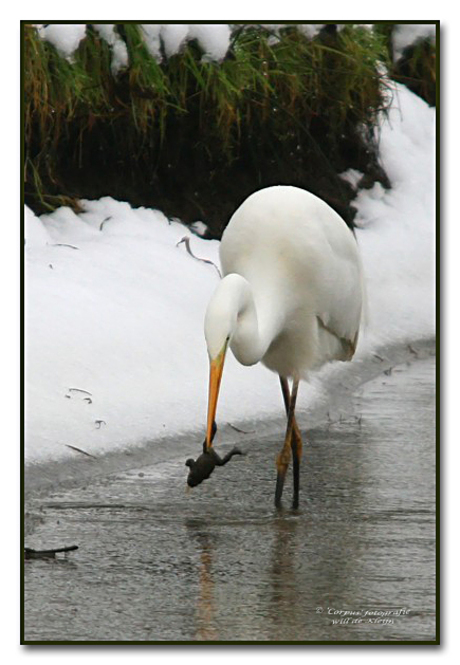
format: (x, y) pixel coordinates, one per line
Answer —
(291, 297)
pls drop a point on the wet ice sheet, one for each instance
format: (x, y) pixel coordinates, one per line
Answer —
(159, 563)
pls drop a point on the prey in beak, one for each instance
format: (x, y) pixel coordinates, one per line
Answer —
(203, 466)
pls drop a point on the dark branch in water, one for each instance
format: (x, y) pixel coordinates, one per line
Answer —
(186, 241)
(41, 554)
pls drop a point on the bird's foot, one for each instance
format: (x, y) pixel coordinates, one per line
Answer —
(282, 468)
(282, 464)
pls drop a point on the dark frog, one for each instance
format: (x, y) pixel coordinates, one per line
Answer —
(203, 466)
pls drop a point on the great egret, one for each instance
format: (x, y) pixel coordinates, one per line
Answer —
(291, 297)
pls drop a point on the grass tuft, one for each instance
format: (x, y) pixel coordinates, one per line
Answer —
(184, 132)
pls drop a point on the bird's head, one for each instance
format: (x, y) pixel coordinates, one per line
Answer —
(230, 320)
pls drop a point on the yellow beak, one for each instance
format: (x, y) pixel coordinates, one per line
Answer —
(215, 376)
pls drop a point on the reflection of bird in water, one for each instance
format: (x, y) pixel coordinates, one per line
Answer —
(205, 609)
(285, 579)
(291, 297)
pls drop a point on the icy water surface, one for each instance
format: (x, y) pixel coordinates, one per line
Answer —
(157, 562)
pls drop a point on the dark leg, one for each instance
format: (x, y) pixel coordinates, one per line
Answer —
(282, 461)
(295, 471)
(296, 443)
(286, 393)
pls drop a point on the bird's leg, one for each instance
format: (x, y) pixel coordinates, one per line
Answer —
(286, 393)
(287, 401)
(296, 443)
(291, 441)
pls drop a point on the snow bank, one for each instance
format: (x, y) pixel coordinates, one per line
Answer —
(115, 351)
(397, 234)
(407, 34)
(115, 309)
(118, 46)
(64, 36)
(214, 38)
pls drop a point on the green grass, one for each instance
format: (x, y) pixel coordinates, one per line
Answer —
(264, 99)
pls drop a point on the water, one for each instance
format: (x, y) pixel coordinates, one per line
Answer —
(157, 562)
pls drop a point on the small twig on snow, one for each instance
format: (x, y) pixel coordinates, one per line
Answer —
(79, 450)
(186, 241)
(101, 226)
(63, 244)
(242, 431)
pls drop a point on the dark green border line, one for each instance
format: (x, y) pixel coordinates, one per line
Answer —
(391, 643)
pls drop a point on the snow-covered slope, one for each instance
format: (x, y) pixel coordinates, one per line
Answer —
(115, 352)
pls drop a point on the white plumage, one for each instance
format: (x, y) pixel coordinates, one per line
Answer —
(292, 292)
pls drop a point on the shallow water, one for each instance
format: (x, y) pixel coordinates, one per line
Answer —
(158, 562)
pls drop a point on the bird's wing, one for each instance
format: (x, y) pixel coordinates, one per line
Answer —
(340, 302)
(348, 346)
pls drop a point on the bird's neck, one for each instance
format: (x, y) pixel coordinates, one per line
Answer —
(254, 323)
